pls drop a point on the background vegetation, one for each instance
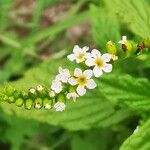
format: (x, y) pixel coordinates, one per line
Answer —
(36, 36)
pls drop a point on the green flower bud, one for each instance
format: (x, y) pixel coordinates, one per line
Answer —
(19, 102)
(71, 89)
(43, 93)
(142, 45)
(111, 47)
(11, 99)
(38, 103)
(17, 94)
(5, 98)
(47, 103)
(9, 90)
(24, 95)
(147, 42)
(32, 93)
(61, 98)
(131, 48)
(65, 88)
(28, 103)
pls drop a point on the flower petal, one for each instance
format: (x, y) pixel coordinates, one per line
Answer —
(87, 55)
(71, 57)
(89, 62)
(60, 69)
(72, 81)
(79, 60)
(58, 77)
(95, 53)
(88, 73)
(124, 38)
(107, 57)
(81, 90)
(85, 48)
(76, 49)
(77, 72)
(107, 68)
(91, 84)
(97, 71)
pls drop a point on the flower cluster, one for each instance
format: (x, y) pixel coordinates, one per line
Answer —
(68, 84)
(73, 84)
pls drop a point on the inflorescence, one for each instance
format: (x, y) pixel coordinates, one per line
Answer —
(70, 84)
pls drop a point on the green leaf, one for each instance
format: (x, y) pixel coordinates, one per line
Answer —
(139, 139)
(105, 26)
(90, 111)
(124, 89)
(135, 14)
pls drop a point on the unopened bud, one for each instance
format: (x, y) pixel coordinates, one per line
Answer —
(38, 103)
(28, 103)
(111, 47)
(19, 102)
(47, 103)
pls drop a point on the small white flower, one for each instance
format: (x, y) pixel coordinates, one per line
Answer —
(32, 91)
(72, 95)
(124, 40)
(114, 57)
(52, 94)
(64, 75)
(99, 62)
(38, 106)
(47, 106)
(79, 54)
(136, 130)
(83, 80)
(56, 86)
(39, 87)
(59, 106)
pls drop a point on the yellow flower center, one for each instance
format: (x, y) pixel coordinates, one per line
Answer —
(99, 62)
(80, 55)
(82, 80)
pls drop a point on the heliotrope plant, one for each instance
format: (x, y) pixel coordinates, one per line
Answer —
(72, 84)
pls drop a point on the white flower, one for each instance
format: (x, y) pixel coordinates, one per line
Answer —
(59, 106)
(47, 106)
(32, 91)
(82, 80)
(99, 62)
(56, 86)
(72, 95)
(136, 130)
(124, 40)
(39, 87)
(38, 106)
(79, 54)
(114, 57)
(63, 75)
(52, 94)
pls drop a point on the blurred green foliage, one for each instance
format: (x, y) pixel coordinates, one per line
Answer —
(35, 36)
